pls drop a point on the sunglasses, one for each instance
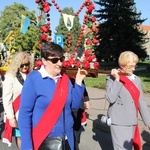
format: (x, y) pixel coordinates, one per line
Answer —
(26, 64)
(55, 60)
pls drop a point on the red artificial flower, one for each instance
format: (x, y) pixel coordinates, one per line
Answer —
(86, 64)
(94, 30)
(38, 63)
(38, 1)
(93, 6)
(44, 37)
(45, 4)
(44, 28)
(66, 64)
(93, 57)
(93, 19)
(88, 42)
(90, 9)
(87, 3)
(87, 53)
(72, 61)
(46, 7)
(96, 65)
(95, 41)
(90, 59)
(77, 63)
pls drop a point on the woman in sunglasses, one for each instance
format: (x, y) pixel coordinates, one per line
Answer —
(48, 98)
(20, 66)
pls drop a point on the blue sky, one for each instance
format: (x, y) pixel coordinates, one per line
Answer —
(143, 6)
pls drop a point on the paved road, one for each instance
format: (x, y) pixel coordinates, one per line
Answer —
(95, 136)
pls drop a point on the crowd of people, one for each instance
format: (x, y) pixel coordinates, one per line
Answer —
(44, 105)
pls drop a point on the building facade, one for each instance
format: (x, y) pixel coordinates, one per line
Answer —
(146, 30)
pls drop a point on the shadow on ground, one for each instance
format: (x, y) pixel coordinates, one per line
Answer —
(146, 138)
(102, 134)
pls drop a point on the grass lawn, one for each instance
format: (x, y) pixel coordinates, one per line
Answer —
(100, 82)
(145, 78)
(96, 82)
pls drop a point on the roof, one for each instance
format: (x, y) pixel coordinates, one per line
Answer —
(146, 28)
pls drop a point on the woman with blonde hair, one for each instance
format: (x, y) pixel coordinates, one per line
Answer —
(18, 69)
(125, 95)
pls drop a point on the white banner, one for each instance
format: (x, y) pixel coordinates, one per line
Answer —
(68, 20)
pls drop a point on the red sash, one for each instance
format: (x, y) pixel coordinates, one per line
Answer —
(52, 112)
(7, 137)
(130, 86)
(83, 118)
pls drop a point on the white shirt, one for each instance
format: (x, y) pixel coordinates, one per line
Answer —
(131, 77)
(44, 74)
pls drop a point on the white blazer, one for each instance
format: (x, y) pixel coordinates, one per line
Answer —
(11, 89)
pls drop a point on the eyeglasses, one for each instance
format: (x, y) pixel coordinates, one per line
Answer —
(131, 66)
(26, 64)
(55, 60)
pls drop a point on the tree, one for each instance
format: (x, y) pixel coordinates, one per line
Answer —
(118, 29)
(75, 31)
(10, 21)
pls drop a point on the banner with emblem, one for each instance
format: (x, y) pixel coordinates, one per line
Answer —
(68, 20)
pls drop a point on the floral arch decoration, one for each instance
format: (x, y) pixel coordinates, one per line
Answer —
(88, 59)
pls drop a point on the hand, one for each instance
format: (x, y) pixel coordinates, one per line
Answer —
(115, 73)
(13, 122)
(149, 127)
(87, 105)
(81, 74)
